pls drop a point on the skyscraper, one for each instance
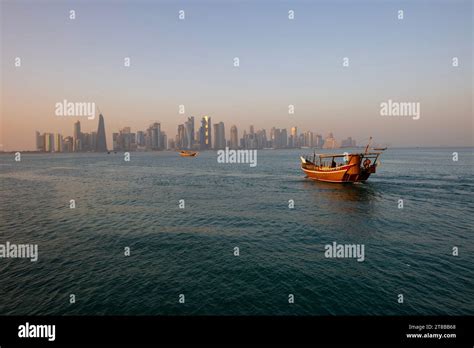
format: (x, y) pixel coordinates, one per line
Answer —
(349, 142)
(276, 138)
(101, 140)
(155, 135)
(205, 138)
(219, 136)
(171, 144)
(59, 143)
(261, 138)
(77, 137)
(319, 141)
(39, 142)
(284, 138)
(68, 144)
(330, 142)
(272, 136)
(301, 139)
(94, 141)
(181, 140)
(189, 131)
(294, 137)
(86, 142)
(309, 139)
(124, 140)
(49, 142)
(234, 137)
(140, 139)
(163, 141)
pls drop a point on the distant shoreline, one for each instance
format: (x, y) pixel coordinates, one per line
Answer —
(341, 149)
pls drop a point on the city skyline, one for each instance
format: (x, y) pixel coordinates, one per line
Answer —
(154, 139)
(281, 63)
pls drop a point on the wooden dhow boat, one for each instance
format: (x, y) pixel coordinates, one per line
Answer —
(184, 153)
(355, 167)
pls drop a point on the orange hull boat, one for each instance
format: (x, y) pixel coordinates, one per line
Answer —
(356, 167)
(188, 153)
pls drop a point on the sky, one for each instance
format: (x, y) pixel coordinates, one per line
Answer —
(190, 62)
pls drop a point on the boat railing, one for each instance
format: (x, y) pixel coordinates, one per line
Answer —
(318, 160)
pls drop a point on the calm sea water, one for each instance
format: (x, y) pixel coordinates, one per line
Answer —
(190, 251)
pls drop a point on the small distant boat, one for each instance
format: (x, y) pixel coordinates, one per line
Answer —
(184, 153)
(355, 167)
(380, 148)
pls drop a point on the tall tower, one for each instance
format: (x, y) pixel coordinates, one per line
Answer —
(189, 128)
(294, 132)
(181, 142)
(58, 140)
(205, 138)
(234, 137)
(294, 137)
(77, 145)
(284, 138)
(39, 142)
(219, 136)
(155, 135)
(101, 145)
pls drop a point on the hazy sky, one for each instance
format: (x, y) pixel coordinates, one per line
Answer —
(282, 62)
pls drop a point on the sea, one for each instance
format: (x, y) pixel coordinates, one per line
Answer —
(168, 235)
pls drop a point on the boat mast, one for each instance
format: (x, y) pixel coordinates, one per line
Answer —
(367, 147)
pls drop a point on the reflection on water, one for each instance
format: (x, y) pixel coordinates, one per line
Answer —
(341, 192)
(342, 198)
